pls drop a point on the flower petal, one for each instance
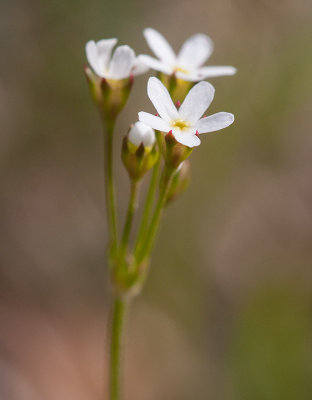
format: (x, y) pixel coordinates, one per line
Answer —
(196, 102)
(213, 71)
(104, 50)
(159, 46)
(195, 51)
(93, 58)
(154, 122)
(155, 64)
(192, 76)
(161, 99)
(121, 63)
(141, 133)
(138, 67)
(188, 139)
(214, 122)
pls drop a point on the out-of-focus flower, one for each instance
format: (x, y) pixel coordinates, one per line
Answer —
(139, 150)
(120, 65)
(185, 123)
(188, 64)
(111, 78)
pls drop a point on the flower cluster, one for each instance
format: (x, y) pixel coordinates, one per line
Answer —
(160, 143)
(165, 139)
(185, 122)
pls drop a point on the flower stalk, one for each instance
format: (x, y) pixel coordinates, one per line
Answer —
(110, 188)
(134, 191)
(117, 328)
(144, 251)
(148, 205)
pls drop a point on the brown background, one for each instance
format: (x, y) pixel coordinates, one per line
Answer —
(226, 312)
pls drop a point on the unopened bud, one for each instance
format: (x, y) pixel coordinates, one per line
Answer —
(141, 133)
(139, 150)
(180, 181)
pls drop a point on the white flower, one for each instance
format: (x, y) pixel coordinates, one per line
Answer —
(121, 65)
(141, 133)
(188, 64)
(185, 123)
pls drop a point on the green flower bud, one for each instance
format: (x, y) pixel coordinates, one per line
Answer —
(180, 181)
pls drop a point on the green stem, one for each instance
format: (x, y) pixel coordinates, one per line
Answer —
(109, 187)
(148, 205)
(118, 317)
(145, 249)
(130, 214)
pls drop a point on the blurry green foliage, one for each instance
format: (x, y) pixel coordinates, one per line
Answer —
(271, 346)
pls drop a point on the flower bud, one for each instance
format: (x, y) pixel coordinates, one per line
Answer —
(180, 181)
(141, 133)
(139, 150)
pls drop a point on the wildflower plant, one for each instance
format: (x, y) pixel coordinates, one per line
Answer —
(161, 143)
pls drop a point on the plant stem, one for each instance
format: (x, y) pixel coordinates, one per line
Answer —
(109, 186)
(145, 249)
(148, 205)
(119, 308)
(130, 214)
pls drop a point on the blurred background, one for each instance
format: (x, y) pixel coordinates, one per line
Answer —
(226, 313)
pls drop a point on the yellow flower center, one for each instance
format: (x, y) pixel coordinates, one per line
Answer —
(179, 69)
(180, 124)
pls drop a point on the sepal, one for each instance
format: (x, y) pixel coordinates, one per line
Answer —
(110, 96)
(138, 159)
(174, 153)
(94, 83)
(177, 88)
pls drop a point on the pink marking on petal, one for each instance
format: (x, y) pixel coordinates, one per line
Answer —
(197, 134)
